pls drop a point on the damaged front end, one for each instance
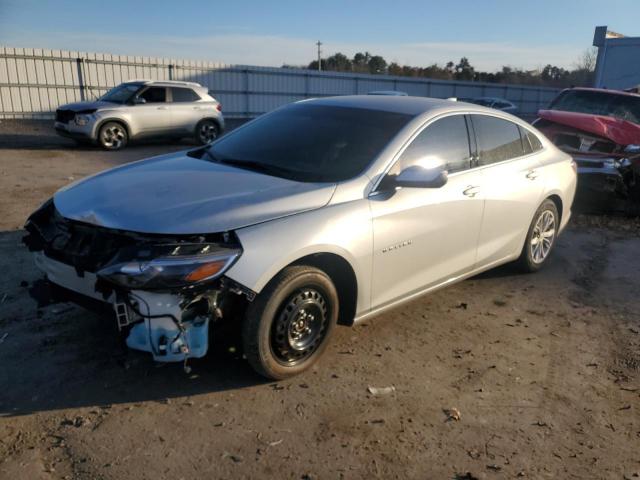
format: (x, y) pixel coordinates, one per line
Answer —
(165, 290)
(608, 171)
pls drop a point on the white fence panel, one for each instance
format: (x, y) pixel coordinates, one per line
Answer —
(34, 82)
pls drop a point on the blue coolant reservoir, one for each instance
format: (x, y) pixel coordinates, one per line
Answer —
(161, 336)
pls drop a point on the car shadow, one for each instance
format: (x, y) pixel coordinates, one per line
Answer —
(40, 135)
(53, 142)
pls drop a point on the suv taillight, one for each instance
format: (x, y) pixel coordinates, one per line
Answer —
(219, 107)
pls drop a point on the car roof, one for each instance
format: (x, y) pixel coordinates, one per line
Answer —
(389, 92)
(602, 90)
(391, 103)
(165, 83)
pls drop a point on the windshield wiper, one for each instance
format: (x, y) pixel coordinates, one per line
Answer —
(268, 169)
(257, 166)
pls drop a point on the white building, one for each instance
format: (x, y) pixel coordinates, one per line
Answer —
(618, 63)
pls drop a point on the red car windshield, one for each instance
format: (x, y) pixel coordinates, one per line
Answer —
(624, 107)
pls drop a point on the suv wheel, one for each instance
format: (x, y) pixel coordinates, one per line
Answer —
(287, 326)
(206, 132)
(112, 136)
(541, 237)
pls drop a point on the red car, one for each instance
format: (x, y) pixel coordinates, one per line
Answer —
(601, 130)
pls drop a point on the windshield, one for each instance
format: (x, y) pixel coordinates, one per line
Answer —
(310, 143)
(624, 107)
(121, 93)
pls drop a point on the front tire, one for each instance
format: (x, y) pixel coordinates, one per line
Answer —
(288, 325)
(541, 237)
(113, 136)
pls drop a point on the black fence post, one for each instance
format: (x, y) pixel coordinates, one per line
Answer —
(247, 103)
(81, 83)
(170, 71)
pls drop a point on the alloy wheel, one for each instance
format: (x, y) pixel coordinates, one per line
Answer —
(542, 236)
(113, 137)
(208, 132)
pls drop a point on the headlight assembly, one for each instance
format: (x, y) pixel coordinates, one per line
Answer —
(171, 266)
(82, 120)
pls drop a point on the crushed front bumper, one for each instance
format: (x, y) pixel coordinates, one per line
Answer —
(71, 130)
(171, 323)
(600, 180)
(154, 321)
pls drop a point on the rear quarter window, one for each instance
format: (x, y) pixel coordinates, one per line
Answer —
(180, 95)
(530, 141)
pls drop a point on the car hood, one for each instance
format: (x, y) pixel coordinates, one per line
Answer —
(94, 105)
(179, 194)
(618, 131)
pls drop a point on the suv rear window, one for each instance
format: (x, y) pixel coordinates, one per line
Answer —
(184, 95)
(624, 107)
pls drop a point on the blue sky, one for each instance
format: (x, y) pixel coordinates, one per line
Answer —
(524, 34)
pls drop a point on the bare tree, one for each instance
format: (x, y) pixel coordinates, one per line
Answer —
(587, 60)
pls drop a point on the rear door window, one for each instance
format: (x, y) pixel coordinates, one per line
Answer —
(498, 139)
(155, 95)
(181, 95)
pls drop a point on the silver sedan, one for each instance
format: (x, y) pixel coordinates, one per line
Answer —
(322, 212)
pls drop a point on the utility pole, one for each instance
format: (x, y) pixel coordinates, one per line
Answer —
(319, 44)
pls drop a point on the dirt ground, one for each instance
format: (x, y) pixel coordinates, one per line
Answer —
(544, 370)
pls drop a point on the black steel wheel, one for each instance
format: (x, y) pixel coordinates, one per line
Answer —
(288, 325)
(300, 326)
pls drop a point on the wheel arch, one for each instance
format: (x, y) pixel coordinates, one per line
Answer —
(333, 262)
(557, 200)
(122, 122)
(214, 119)
(343, 277)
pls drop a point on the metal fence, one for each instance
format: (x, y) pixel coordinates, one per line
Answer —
(34, 82)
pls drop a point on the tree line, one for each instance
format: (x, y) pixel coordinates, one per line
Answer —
(550, 75)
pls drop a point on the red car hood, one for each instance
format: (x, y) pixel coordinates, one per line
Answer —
(619, 131)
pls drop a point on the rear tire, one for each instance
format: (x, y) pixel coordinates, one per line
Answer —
(288, 325)
(113, 136)
(207, 131)
(541, 237)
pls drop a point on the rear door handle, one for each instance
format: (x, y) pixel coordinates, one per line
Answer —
(471, 191)
(532, 175)
(196, 108)
(162, 108)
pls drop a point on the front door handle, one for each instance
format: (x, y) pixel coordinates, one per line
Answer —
(162, 108)
(532, 175)
(471, 191)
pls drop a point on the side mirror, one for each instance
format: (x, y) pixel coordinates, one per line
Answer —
(139, 101)
(421, 177)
